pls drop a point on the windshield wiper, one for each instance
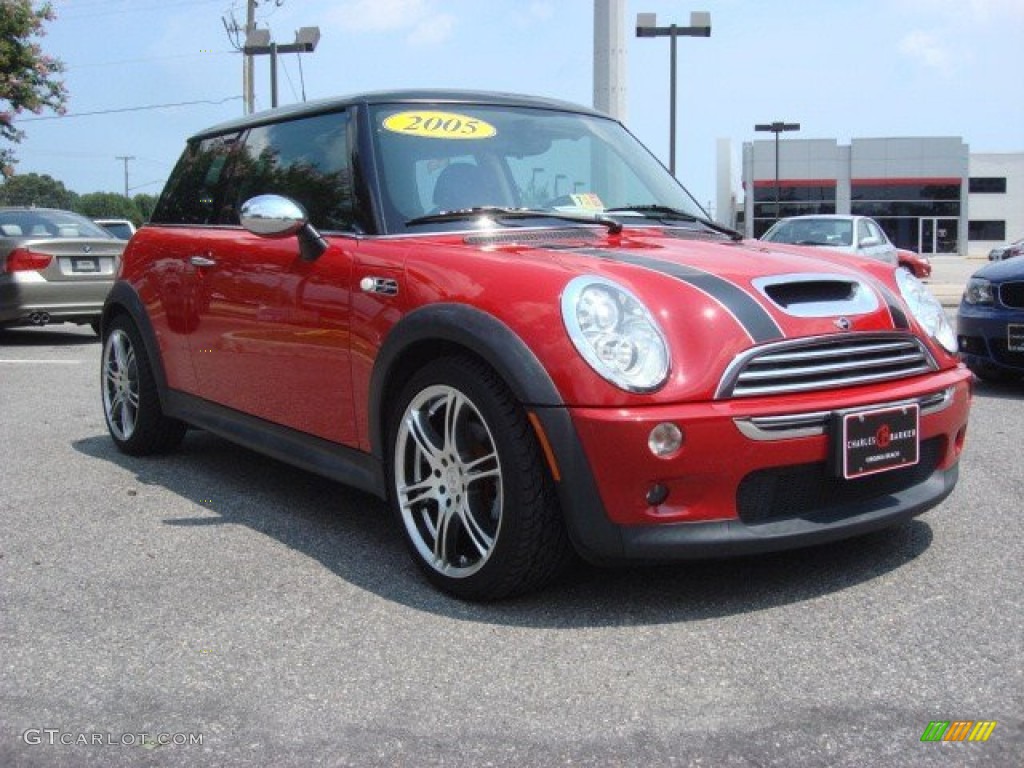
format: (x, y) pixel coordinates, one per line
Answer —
(501, 212)
(667, 212)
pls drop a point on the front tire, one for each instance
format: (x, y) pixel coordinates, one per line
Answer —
(469, 486)
(131, 403)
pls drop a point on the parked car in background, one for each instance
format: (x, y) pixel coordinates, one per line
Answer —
(917, 264)
(858, 235)
(55, 267)
(504, 316)
(1008, 251)
(122, 229)
(990, 321)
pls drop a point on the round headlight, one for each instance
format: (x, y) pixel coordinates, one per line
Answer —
(927, 310)
(615, 333)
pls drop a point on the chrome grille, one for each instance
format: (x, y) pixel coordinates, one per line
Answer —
(829, 362)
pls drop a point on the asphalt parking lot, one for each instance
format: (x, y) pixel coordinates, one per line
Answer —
(218, 596)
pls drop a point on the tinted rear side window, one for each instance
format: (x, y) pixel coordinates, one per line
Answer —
(193, 192)
(308, 160)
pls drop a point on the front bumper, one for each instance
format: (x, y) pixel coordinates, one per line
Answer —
(733, 489)
(983, 338)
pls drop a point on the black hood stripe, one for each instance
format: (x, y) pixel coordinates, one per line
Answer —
(748, 312)
(899, 317)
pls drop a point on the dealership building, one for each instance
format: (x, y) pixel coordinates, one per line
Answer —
(929, 194)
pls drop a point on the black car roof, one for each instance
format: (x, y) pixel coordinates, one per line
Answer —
(421, 96)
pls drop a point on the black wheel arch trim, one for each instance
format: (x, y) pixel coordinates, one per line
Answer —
(481, 334)
(123, 296)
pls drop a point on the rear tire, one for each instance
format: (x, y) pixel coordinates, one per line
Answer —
(131, 403)
(469, 486)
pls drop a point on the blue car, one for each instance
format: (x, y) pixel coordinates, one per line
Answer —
(990, 321)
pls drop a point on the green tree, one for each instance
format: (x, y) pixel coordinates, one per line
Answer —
(145, 203)
(108, 205)
(32, 189)
(26, 74)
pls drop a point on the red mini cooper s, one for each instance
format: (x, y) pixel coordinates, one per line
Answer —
(502, 315)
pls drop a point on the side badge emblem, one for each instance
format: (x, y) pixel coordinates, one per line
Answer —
(385, 286)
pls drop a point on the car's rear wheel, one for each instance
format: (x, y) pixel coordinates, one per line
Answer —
(131, 403)
(469, 486)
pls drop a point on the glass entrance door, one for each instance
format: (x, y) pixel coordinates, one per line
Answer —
(938, 235)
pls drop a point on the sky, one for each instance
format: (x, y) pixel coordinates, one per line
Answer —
(841, 68)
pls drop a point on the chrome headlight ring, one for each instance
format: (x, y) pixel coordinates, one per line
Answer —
(927, 310)
(615, 333)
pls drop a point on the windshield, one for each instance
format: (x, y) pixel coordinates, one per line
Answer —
(834, 232)
(432, 162)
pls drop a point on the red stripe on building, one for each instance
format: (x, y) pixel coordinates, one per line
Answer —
(891, 181)
(796, 183)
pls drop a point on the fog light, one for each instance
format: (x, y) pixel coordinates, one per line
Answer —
(665, 439)
(656, 494)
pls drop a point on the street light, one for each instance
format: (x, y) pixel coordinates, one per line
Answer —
(777, 127)
(258, 42)
(647, 26)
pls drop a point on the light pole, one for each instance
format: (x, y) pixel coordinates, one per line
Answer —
(258, 42)
(777, 127)
(647, 26)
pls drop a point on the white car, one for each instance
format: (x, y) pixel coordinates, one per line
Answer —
(122, 229)
(858, 235)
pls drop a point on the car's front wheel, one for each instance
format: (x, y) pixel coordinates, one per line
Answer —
(469, 485)
(131, 403)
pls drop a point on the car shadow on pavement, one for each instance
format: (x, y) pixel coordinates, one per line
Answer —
(351, 534)
(68, 336)
(999, 391)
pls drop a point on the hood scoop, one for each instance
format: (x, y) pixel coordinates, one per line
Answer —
(813, 295)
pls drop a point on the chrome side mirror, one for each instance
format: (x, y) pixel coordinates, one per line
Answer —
(276, 216)
(272, 216)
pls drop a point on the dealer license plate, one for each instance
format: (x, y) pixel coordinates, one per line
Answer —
(879, 440)
(1015, 337)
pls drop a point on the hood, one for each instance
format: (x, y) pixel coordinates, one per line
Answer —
(770, 291)
(1001, 271)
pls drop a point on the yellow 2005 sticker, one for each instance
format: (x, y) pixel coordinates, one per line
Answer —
(439, 125)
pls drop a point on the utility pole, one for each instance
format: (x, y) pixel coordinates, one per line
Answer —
(258, 43)
(248, 70)
(125, 159)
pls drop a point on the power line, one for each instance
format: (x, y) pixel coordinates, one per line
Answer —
(125, 109)
(130, 9)
(73, 67)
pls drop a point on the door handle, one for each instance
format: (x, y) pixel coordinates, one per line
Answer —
(201, 261)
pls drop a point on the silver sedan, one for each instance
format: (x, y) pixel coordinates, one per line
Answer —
(858, 235)
(55, 267)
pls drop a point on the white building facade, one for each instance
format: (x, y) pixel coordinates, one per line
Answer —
(929, 194)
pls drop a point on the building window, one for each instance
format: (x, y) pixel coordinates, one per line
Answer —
(986, 230)
(906, 208)
(987, 185)
(796, 198)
